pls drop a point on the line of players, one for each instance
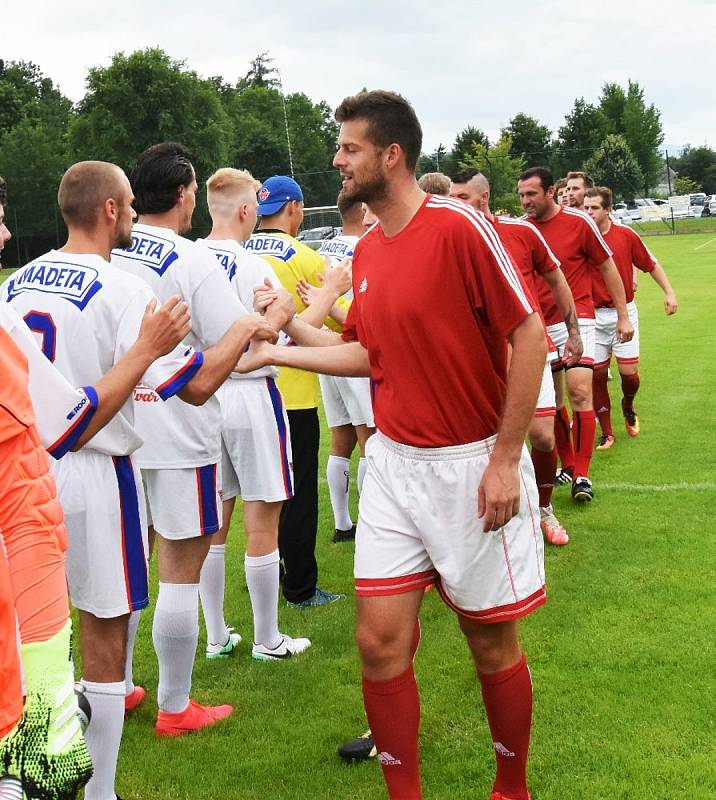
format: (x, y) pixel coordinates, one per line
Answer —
(87, 315)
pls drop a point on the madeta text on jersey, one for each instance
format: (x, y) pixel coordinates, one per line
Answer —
(271, 246)
(74, 282)
(153, 251)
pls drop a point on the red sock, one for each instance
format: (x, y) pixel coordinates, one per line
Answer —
(562, 435)
(585, 426)
(545, 465)
(508, 703)
(630, 386)
(602, 403)
(393, 711)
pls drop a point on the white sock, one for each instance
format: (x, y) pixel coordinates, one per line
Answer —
(211, 591)
(131, 636)
(362, 467)
(262, 581)
(338, 475)
(175, 633)
(103, 736)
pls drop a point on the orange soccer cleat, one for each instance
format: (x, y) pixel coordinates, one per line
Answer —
(193, 718)
(606, 440)
(631, 421)
(135, 698)
(552, 528)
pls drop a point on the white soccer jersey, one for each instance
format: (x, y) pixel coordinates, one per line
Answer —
(62, 411)
(338, 248)
(245, 271)
(176, 434)
(87, 314)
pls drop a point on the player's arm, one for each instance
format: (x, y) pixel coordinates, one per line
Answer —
(340, 358)
(661, 279)
(159, 334)
(564, 299)
(499, 492)
(220, 360)
(615, 287)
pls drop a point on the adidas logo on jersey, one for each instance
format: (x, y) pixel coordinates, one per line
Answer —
(502, 750)
(389, 761)
(363, 285)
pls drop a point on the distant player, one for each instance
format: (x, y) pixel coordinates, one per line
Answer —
(180, 457)
(281, 214)
(577, 243)
(629, 253)
(346, 401)
(435, 183)
(537, 265)
(560, 192)
(449, 495)
(577, 185)
(256, 445)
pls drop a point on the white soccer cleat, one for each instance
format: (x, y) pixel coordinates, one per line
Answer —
(286, 648)
(223, 650)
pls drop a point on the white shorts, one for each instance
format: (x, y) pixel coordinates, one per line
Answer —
(183, 503)
(347, 401)
(558, 334)
(546, 402)
(103, 501)
(418, 525)
(256, 460)
(606, 337)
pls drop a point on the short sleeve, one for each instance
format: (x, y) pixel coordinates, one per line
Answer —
(350, 326)
(596, 249)
(641, 257)
(214, 308)
(169, 374)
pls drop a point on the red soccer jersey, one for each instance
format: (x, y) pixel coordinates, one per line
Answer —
(433, 306)
(575, 240)
(629, 252)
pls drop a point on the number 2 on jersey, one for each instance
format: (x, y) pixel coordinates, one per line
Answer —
(42, 323)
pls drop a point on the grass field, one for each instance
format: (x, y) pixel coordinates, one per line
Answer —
(622, 656)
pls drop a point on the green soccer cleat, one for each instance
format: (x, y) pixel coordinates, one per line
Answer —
(46, 751)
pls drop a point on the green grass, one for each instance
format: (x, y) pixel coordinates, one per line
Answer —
(622, 655)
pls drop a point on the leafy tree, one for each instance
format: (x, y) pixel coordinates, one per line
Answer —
(612, 104)
(530, 140)
(614, 165)
(686, 186)
(25, 93)
(644, 134)
(260, 143)
(583, 131)
(145, 98)
(699, 164)
(502, 170)
(261, 73)
(463, 148)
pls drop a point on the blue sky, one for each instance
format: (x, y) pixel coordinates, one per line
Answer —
(459, 63)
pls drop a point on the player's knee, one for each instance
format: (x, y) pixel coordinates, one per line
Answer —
(542, 436)
(379, 648)
(580, 396)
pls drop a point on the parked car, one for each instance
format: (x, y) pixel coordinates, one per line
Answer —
(314, 236)
(710, 206)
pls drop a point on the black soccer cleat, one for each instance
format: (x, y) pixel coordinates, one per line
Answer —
(345, 536)
(582, 490)
(563, 477)
(359, 749)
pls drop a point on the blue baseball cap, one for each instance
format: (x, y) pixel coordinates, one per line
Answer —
(275, 192)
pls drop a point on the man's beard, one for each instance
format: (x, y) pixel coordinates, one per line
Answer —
(373, 189)
(123, 240)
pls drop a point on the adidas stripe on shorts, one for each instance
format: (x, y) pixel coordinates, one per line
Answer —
(606, 342)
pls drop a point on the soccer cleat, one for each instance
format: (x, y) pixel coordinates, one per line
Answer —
(582, 490)
(193, 718)
(320, 598)
(135, 699)
(359, 749)
(223, 650)
(46, 751)
(500, 796)
(552, 528)
(286, 648)
(605, 442)
(631, 421)
(563, 477)
(345, 536)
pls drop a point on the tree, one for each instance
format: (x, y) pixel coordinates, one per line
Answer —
(582, 132)
(612, 104)
(530, 140)
(25, 93)
(686, 186)
(145, 98)
(261, 73)
(463, 148)
(614, 165)
(699, 164)
(502, 170)
(260, 142)
(644, 134)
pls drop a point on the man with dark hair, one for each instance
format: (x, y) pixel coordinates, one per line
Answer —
(576, 241)
(630, 253)
(577, 185)
(560, 192)
(449, 496)
(280, 209)
(182, 445)
(538, 266)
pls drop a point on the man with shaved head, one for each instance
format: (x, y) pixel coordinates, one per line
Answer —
(87, 315)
